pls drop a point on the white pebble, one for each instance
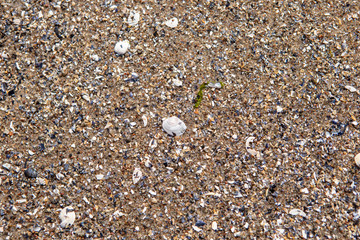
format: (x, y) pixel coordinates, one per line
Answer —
(357, 159)
(67, 217)
(214, 226)
(121, 47)
(172, 23)
(95, 57)
(99, 176)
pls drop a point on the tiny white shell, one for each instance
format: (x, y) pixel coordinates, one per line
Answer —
(133, 18)
(137, 175)
(67, 217)
(252, 151)
(172, 23)
(121, 47)
(351, 88)
(296, 212)
(144, 118)
(357, 159)
(174, 126)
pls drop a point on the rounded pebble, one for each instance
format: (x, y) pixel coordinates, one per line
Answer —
(30, 173)
(121, 47)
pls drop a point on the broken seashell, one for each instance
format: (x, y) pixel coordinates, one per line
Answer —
(121, 47)
(251, 151)
(296, 212)
(133, 18)
(67, 217)
(172, 23)
(137, 175)
(174, 126)
(144, 118)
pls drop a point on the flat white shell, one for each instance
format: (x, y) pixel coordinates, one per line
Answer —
(137, 175)
(67, 217)
(172, 23)
(351, 88)
(121, 47)
(357, 159)
(296, 212)
(174, 126)
(133, 18)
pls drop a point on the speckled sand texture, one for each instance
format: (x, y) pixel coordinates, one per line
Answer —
(270, 155)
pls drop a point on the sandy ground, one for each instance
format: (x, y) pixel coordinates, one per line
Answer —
(270, 155)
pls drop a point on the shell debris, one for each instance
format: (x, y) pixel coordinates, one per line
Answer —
(172, 23)
(253, 152)
(67, 217)
(122, 47)
(137, 175)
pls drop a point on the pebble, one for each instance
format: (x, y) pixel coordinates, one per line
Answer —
(199, 223)
(95, 57)
(214, 226)
(99, 176)
(30, 173)
(67, 217)
(177, 82)
(174, 126)
(122, 47)
(357, 159)
(172, 23)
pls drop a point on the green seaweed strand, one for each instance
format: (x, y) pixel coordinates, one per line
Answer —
(200, 94)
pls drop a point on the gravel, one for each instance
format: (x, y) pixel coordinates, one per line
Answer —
(269, 155)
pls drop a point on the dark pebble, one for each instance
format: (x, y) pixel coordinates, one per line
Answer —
(30, 173)
(199, 223)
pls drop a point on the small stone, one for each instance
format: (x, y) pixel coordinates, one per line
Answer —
(59, 176)
(172, 23)
(214, 226)
(41, 181)
(30, 173)
(99, 176)
(121, 47)
(67, 217)
(357, 159)
(196, 228)
(95, 57)
(199, 223)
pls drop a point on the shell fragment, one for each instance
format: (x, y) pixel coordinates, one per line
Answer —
(67, 217)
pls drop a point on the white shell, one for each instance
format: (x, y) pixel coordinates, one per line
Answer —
(174, 126)
(296, 212)
(351, 88)
(252, 151)
(121, 47)
(137, 175)
(133, 18)
(177, 82)
(357, 159)
(172, 23)
(67, 217)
